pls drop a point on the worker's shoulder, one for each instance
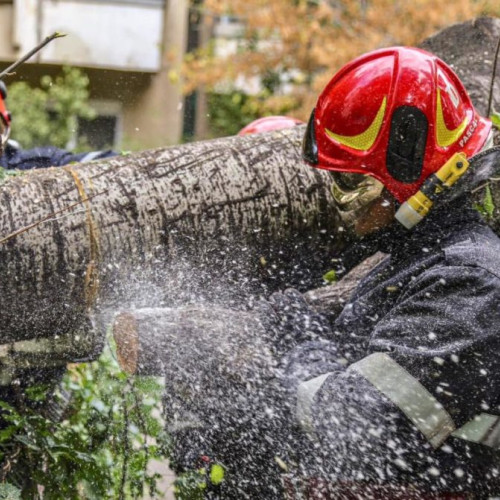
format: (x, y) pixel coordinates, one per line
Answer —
(475, 246)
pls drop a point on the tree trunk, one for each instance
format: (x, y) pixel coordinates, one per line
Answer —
(157, 227)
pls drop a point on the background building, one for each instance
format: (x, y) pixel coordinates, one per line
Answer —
(130, 49)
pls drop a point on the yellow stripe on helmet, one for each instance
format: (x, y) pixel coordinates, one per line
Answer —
(444, 136)
(365, 140)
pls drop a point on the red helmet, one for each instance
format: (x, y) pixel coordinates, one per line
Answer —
(4, 117)
(397, 114)
(269, 123)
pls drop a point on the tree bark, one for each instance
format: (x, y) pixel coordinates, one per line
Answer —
(159, 226)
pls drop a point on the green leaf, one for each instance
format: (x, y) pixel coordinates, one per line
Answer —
(9, 492)
(330, 276)
(488, 204)
(495, 119)
(217, 474)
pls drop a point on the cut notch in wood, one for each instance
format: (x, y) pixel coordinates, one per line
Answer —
(127, 341)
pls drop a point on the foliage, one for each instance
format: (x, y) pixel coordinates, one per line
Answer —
(49, 114)
(487, 206)
(330, 277)
(495, 119)
(193, 485)
(301, 43)
(229, 112)
(101, 448)
(9, 492)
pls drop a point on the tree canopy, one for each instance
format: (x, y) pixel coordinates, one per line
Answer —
(294, 47)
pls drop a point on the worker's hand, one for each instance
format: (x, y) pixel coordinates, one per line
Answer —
(290, 321)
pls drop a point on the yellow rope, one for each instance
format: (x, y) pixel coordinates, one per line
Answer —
(91, 275)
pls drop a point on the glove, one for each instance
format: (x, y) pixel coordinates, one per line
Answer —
(289, 321)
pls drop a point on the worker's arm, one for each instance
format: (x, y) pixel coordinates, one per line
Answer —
(48, 156)
(431, 367)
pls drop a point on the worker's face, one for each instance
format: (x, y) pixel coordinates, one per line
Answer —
(363, 203)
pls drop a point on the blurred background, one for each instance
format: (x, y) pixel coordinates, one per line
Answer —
(158, 72)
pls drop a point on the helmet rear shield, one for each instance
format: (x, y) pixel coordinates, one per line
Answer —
(269, 124)
(407, 142)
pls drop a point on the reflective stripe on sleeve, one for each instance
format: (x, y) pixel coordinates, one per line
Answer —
(305, 397)
(409, 395)
(483, 428)
(90, 156)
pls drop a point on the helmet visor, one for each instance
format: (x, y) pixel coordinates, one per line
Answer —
(353, 191)
(309, 144)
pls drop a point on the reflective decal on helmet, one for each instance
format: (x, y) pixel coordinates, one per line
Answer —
(365, 140)
(444, 136)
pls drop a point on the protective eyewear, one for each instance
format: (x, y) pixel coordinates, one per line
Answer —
(354, 189)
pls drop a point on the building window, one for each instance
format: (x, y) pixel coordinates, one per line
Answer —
(99, 133)
(105, 130)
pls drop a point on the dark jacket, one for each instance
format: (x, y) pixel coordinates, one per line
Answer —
(44, 157)
(413, 357)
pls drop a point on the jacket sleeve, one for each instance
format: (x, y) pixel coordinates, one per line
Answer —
(431, 368)
(44, 157)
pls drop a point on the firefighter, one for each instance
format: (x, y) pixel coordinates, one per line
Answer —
(13, 157)
(398, 396)
(402, 398)
(268, 124)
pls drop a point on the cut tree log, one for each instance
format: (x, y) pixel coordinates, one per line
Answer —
(142, 335)
(203, 221)
(151, 341)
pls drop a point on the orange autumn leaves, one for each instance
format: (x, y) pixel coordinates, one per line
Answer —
(308, 40)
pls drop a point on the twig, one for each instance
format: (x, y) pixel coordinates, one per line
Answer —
(481, 186)
(7, 462)
(485, 184)
(492, 84)
(31, 53)
(49, 217)
(126, 446)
